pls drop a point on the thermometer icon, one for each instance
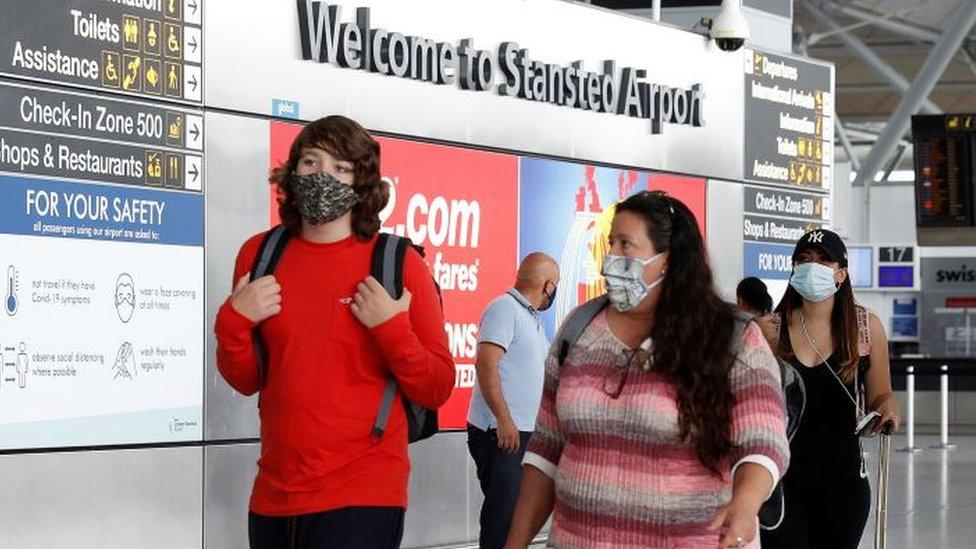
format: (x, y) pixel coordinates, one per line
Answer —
(10, 302)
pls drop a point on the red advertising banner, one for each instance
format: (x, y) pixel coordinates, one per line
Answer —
(442, 198)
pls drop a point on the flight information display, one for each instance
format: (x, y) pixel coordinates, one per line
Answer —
(945, 170)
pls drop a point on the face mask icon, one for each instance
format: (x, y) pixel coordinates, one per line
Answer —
(125, 297)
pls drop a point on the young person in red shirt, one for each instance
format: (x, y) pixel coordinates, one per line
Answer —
(334, 337)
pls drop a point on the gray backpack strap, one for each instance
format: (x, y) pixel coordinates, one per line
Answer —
(742, 320)
(265, 261)
(387, 269)
(270, 252)
(574, 326)
(386, 405)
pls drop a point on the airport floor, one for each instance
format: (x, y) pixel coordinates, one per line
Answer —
(931, 495)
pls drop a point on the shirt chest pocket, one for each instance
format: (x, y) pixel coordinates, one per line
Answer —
(350, 347)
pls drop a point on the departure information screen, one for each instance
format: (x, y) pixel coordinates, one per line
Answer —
(945, 170)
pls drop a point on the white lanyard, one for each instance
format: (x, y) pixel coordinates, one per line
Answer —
(858, 411)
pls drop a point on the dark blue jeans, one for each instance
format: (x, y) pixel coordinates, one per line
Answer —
(500, 475)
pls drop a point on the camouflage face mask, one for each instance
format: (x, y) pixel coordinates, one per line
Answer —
(322, 198)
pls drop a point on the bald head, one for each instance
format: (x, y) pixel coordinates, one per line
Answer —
(537, 278)
(537, 269)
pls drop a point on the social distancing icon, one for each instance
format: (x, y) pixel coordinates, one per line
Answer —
(154, 168)
(174, 80)
(110, 69)
(154, 77)
(153, 36)
(174, 41)
(132, 79)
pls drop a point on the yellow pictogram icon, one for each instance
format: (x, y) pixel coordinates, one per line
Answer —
(154, 168)
(174, 132)
(952, 123)
(801, 147)
(757, 59)
(173, 42)
(133, 73)
(152, 38)
(110, 69)
(174, 171)
(174, 9)
(818, 99)
(154, 77)
(174, 80)
(130, 32)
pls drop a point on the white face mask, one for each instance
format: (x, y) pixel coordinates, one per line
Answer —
(624, 277)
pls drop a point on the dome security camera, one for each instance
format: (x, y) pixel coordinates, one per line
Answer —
(729, 29)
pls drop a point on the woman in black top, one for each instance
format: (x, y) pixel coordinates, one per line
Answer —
(841, 352)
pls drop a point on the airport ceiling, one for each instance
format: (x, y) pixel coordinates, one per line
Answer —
(862, 95)
(898, 32)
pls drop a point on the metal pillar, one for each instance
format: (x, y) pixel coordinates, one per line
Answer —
(656, 10)
(893, 164)
(845, 142)
(849, 89)
(967, 57)
(899, 27)
(889, 24)
(928, 75)
(878, 65)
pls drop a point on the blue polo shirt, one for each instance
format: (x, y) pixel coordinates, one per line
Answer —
(513, 324)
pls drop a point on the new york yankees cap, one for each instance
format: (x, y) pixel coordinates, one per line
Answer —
(827, 242)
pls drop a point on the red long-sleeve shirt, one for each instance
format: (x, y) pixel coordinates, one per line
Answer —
(326, 376)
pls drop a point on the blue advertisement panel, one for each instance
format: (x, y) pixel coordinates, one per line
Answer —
(767, 261)
(565, 211)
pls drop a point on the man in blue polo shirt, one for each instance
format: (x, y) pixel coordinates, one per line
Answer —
(512, 348)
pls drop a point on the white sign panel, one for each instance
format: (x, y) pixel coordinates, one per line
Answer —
(510, 74)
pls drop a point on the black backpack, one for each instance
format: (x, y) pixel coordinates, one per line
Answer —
(773, 509)
(387, 268)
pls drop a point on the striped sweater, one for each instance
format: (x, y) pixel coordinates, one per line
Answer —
(623, 478)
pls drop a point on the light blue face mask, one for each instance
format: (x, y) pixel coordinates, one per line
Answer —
(813, 281)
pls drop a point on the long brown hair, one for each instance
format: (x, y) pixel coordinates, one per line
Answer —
(346, 140)
(693, 327)
(843, 328)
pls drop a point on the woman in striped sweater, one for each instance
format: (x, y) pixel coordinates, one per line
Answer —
(674, 443)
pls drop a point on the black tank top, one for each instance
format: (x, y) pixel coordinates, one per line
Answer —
(825, 442)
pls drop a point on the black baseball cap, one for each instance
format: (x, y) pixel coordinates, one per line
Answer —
(827, 242)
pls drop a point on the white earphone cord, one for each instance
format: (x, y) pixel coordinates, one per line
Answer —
(858, 409)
